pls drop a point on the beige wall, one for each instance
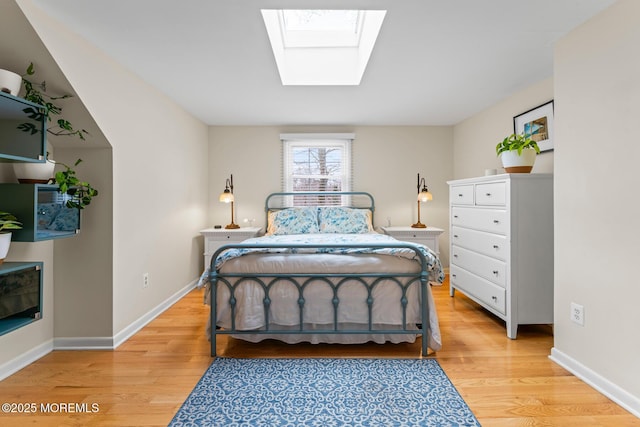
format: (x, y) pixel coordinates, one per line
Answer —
(86, 292)
(475, 138)
(597, 90)
(386, 160)
(158, 192)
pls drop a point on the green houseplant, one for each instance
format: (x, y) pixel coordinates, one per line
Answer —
(518, 153)
(81, 192)
(37, 93)
(8, 222)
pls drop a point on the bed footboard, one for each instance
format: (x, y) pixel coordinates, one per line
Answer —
(301, 281)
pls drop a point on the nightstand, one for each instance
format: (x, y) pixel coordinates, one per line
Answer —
(216, 237)
(427, 236)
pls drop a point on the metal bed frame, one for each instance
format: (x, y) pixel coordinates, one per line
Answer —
(335, 280)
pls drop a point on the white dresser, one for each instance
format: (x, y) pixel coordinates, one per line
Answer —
(427, 236)
(502, 245)
(216, 237)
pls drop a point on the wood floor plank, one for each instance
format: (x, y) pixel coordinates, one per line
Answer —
(144, 382)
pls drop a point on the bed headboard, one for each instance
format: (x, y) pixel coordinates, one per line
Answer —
(351, 199)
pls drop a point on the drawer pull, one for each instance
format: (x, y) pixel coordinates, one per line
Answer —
(455, 216)
(494, 298)
(495, 221)
(455, 255)
(455, 236)
(454, 276)
(488, 194)
(459, 195)
(495, 272)
(496, 247)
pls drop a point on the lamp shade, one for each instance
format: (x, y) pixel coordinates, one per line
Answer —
(226, 196)
(424, 196)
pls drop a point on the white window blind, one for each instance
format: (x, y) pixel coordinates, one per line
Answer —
(316, 162)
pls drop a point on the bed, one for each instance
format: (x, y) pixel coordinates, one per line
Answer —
(321, 274)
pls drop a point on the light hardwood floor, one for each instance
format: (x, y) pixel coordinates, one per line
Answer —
(144, 382)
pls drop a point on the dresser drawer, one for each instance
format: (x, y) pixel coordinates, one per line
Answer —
(230, 235)
(214, 238)
(489, 268)
(491, 220)
(212, 243)
(429, 242)
(492, 245)
(461, 195)
(426, 236)
(491, 194)
(474, 286)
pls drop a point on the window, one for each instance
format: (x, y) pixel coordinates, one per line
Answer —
(316, 162)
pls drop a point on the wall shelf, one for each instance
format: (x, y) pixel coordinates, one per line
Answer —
(16, 144)
(20, 294)
(41, 210)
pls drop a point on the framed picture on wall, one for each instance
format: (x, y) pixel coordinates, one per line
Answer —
(537, 124)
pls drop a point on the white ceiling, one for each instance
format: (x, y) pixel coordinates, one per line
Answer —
(436, 62)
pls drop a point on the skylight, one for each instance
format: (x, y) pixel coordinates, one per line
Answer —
(322, 47)
(320, 28)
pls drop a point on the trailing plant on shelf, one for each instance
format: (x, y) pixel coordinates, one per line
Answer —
(81, 192)
(9, 222)
(37, 93)
(516, 142)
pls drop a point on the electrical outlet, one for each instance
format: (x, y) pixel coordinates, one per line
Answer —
(577, 313)
(145, 280)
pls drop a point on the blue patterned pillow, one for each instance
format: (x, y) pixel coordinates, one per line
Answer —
(293, 221)
(46, 213)
(67, 220)
(339, 219)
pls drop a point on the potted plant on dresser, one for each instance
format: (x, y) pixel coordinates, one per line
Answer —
(518, 153)
(8, 222)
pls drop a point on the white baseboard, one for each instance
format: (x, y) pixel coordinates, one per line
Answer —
(83, 343)
(14, 365)
(622, 397)
(110, 343)
(91, 343)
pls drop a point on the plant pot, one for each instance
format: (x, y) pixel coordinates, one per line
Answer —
(514, 163)
(5, 242)
(10, 82)
(34, 173)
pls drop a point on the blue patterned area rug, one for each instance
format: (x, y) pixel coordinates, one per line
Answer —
(324, 393)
